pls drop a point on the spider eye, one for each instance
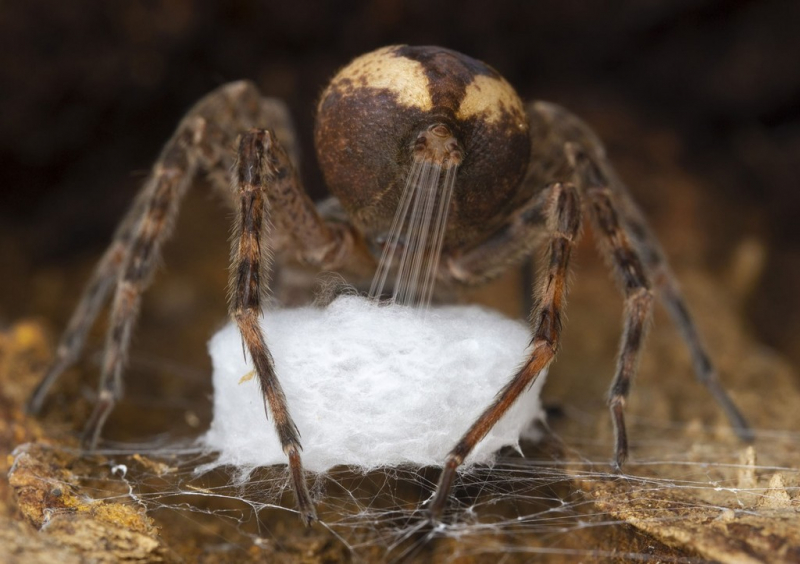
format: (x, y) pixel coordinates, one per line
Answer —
(440, 130)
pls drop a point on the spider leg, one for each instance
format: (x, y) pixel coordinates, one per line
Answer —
(563, 221)
(672, 298)
(141, 227)
(639, 261)
(92, 300)
(265, 180)
(513, 242)
(632, 278)
(160, 199)
(202, 141)
(586, 157)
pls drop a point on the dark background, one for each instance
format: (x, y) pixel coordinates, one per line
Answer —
(90, 90)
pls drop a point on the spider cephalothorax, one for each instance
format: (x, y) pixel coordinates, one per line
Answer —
(431, 154)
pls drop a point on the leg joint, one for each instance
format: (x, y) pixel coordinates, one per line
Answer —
(641, 297)
(455, 458)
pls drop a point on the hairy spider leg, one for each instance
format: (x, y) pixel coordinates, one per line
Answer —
(94, 296)
(203, 142)
(271, 200)
(263, 169)
(563, 222)
(168, 182)
(189, 144)
(668, 291)
(640, 262)
(615, 245)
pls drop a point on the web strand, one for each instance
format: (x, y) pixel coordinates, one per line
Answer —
(415, 242)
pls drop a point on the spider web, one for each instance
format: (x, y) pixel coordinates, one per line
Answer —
(548, 503)
(690, 483)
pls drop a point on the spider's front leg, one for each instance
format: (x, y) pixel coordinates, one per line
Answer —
(270, 197)
(561, 212)
(256, 173)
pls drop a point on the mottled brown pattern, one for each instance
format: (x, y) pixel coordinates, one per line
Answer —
(168, 183)
(363, 135)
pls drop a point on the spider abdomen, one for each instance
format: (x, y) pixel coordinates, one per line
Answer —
(375, 109)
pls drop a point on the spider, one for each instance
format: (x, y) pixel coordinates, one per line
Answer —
(516, 177)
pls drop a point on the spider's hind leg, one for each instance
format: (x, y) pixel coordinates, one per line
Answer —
(161, 198)
(632, 278)
(199, 142)
(672, 298)
(640, 265)
(95, 294)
